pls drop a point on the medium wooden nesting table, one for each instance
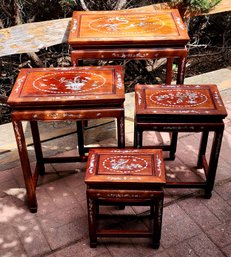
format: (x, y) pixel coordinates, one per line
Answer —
(58, 94)
(183, 108)
(127, 177)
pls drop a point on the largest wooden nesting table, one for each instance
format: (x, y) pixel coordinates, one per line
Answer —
(130, 34)
(51, 94)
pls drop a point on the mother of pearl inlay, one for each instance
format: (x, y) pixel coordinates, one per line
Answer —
(125, 164)
(178, 98)
(19, 84)
(121, 24)
(69, 82)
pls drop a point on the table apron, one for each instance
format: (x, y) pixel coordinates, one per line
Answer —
(129, 53)
(180, 127)
(50, 115)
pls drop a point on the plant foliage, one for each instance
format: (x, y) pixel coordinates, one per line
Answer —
(197, 5)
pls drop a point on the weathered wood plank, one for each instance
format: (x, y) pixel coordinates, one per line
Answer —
(32, 37)
(223, 6)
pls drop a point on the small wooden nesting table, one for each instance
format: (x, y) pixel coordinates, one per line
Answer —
(52, 94)
(183, 108)
(130, 34)
(127, 177)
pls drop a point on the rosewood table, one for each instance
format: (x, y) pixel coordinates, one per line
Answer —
(131, 34)
(127, 177)
(183, 108)
(57, 94)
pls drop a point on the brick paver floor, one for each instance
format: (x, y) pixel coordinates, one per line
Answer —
(192, 225)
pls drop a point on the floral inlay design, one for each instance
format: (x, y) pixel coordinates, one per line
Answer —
(126, 24)
(19, 83)
(113, 178)
(158, 165)
(18, 135)
(92, 163)
(130, 55)
(178, 98)
(69, 82)
(74, 26)
(119, 81)
(180, 24)
(218, 100)
(125, 164)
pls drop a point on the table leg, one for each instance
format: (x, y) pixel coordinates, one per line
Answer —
(181, 70)
(202, 149)
(169, 71)
(37, 147)
(138, 138)
(75, 61)
(121, 140)
(120, 131)
(91, 207)
(25, 164)
(173, 145)
(213, 161)
(80, 137)
(157, 222)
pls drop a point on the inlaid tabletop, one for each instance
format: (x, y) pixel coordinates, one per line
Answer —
(127, 166)
(118, 28)
(69, 86)
(179, 99)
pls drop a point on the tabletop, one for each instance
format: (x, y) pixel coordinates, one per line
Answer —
(190, 100)
(163, 27)
(78, 86)
(125, 166)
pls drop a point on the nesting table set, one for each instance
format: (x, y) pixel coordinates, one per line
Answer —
(120, 176)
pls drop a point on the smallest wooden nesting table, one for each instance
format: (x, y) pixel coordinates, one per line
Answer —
(52, 94)
(125, 177)
(183, 108)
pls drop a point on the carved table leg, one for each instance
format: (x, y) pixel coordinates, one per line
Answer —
(202, 149)
(92, 208)
(25, 164)
(214, 156)
(181, 70)
(37, 147)
(157, 222)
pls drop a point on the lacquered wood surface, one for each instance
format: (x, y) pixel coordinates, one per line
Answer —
(70, 86)
(125, 166)
(132, 53)
(202, 100)
(119, 28)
